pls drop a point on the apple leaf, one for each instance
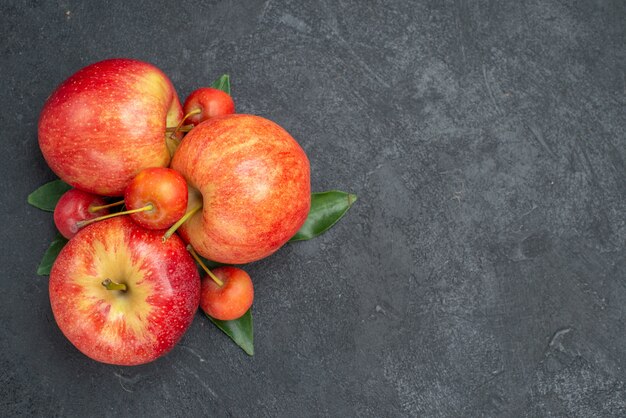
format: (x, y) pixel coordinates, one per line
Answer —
(47, 196)
(51, 254)
(239, 330)
(222, 83)
(326, 209)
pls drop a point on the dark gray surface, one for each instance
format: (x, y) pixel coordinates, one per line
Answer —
(482, 271)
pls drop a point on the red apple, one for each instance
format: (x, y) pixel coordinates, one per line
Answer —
(253, 181)
(76, 206)
(162, 188)
(208, 103)
(121, 295)
(106, 123)
(230, 299)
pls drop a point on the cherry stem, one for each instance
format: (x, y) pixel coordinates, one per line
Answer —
(204, 267)
(184, 128)
(171, 141)
(111, 285)
(181, 221)
(180, 124)
(94, 209)
(86, 222)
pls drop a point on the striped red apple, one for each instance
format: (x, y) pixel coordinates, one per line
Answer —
(107, 122)
(249, 182)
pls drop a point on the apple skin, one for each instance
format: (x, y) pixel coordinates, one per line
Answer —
(73, 207)
(254, 182)
(106, 123)
(124, 328)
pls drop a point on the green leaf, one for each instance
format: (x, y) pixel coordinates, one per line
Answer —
(51, 254)
(239, 330)
(222, 83)
(47, 196)
(326, 209)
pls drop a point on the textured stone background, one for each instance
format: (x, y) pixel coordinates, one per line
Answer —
(482, 271)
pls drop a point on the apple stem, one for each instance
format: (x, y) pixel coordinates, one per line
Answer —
(180, 124)
(204, 267)
(172, 143)
(94, 209)
(181, 221)
(184, 128)
(111, 285)
(86, 222)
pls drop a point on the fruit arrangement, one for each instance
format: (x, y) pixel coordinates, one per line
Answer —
(158, 205)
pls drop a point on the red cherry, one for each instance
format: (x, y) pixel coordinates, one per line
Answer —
(162, 188)
(230, 300)
(73, 207)
(156, 198)
(207, 103)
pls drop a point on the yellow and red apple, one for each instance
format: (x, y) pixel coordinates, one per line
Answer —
(121, 295)
(253, 181)
(107, 122)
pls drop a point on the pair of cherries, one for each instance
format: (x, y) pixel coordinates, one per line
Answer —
(157, 199)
